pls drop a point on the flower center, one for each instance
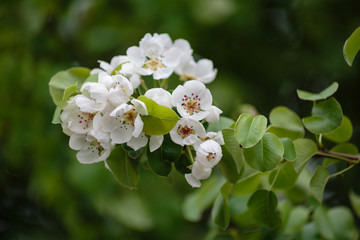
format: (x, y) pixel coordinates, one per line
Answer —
(85, 118)
(211, 156)
(95, 145)
(191, 104)
(153, 63)
(130, 116)
(185, 131)
(186, 77)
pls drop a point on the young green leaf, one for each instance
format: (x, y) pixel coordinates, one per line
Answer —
(262, 205)
(296, 220)
(196, 202)
(250, 129)
(318, 182)
(64, 79)
(232, 160)
(123, 168)
(289, 149)
(160, 119)
(285, 123)
(305, 149)
(352, 46)
(285, 176)
(56, 116)
(341, 134)
(324, 94)
(247, 185)
(223, 123)
(266, 154)
(325, 117)
(220, 213)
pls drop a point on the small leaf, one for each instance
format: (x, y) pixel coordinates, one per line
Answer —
(285, 123)
(323, 223)
(324, 94)
(289, 149)
(160, 119)
(199, 200)
(122, 168)
(318, 182)
(56, 116)
(352, 46)
(341, 134)
(296, 220)
(64, 79)
(286, 176)
(223, 123)
(305, 149)
(69, 91)
(325, 117)
(355, 202)
(266, 154)
(220, 213)
(232, 160)
(247, 185)
(158, 164)
(262, 205)
(250, 129)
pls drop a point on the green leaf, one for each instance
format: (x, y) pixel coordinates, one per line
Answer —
(182, 164)
(171, 151)
(266, 154)
(69, 91)
(336, 223)
(247, 185)
(325, 117)
(289, 149)
(232, 160)
(158, 164)
(318, 182)
(64, 79)
(355, 202)
(262, 205)
(92, 78)
(324, 94)
(250, 129)
(220, 213)
(347, 148)
(56, 116)
(286, 176)
(223, 123)
(305, 149)
(198, 201)
(285, 123)
(160, 119)
(341, 134)
(296, 220)
(123, 169)
(352, 46)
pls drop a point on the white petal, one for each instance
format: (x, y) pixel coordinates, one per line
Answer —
(177, 95)
(122, 134)
(192, 180)
(138, 126)
(136, 55)
(155, 142)
(214, 114)
(160, 96)
(140, 106)
(172, 57)
(135, 80)
(162, 73)
(78, 142)
(88, 156)
(200, 171)
(138, 142)
(209, 153)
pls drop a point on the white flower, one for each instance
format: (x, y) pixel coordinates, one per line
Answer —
(74, 119)
(209, 153)
(198, 172)
(125, 122)
(112, 67)
(93, 146)
(187, 131)
(155, 55)
(214, 114)
(192, 100)
(216, 136)
(203, 70)
(138, 142)
(160, 96)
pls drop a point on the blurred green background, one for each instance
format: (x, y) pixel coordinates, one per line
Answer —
(263, 49)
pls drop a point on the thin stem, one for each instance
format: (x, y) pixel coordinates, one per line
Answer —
(340, 156)
(342, 171)
(188, 148)
(164, 83)
(319, 140)
(155, 83)
(143, 84)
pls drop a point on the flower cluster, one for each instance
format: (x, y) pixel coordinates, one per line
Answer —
(107, 112)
